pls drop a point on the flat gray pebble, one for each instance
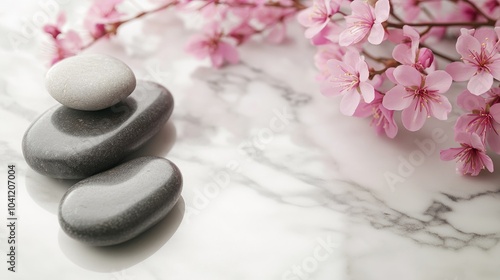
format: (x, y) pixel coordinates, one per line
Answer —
(71, 144)
(90, 82)
(119, 204)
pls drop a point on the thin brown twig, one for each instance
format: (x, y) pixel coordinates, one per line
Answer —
(438, 53)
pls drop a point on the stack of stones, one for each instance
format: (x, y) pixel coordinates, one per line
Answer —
(105, 115)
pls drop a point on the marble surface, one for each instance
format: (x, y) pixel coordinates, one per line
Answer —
(277, 183)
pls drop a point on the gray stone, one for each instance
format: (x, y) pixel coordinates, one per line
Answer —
(118, 204)
(90, 82)
(72, 144)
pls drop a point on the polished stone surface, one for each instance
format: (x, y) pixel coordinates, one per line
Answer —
(72, 144)
(90, 81)
(118, 204)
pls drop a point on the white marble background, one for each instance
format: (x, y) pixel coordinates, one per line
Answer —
(305, 199)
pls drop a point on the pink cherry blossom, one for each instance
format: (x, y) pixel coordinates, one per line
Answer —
(382, 118)
(419, 96)
(492, 96)
(272, 18)
(420, 59)
(349, 78)
(471, 156)
(67, 44)
(364, 21)
(242, 32)
(317, 17)
(329, 34)
(481, 60)
(213, 45)
(55, 29)
(323, 55)
(101, 13)
(482, 119)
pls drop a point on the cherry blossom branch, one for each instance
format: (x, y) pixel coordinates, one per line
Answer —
(113, 26)
(296, 4)
(438, 53)
(439, 24)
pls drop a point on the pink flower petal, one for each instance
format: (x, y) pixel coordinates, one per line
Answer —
(463, 137)
(480, 83)
(377, 34)
(485, 35)
(462, 124)
(362, 69)
(389, 73)
(314, 30)
(338, 68)
(217, 59)
(439, 81)
(407, 76)
(229, 52)
(467, 43)
(395, 36)
(197, 47)
(349, 103)
(347, 38)
(493, 140)
(382, 10)
(495, 112)
(494, 67)
(304, 17)
(323, 37)
(391, 129)
(351, 58)
(367, 91)
(413, 120)
(487, 162)
(469, 102)
(364, 110)
(414, 36)
(360, 7)
(465, 168)
(460, 71)
(449, 154)
(441, 109)
(403, 54)
(52, 30)
(397, 98)
(476, 142)
(327, 89)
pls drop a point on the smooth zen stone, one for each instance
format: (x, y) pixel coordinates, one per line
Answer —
(121, 203)
(72, 144)
(90, 82)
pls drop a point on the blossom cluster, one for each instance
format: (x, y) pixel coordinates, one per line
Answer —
(378, 56)
(229, 23)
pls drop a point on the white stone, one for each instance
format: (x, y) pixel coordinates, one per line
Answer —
(90, 82)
